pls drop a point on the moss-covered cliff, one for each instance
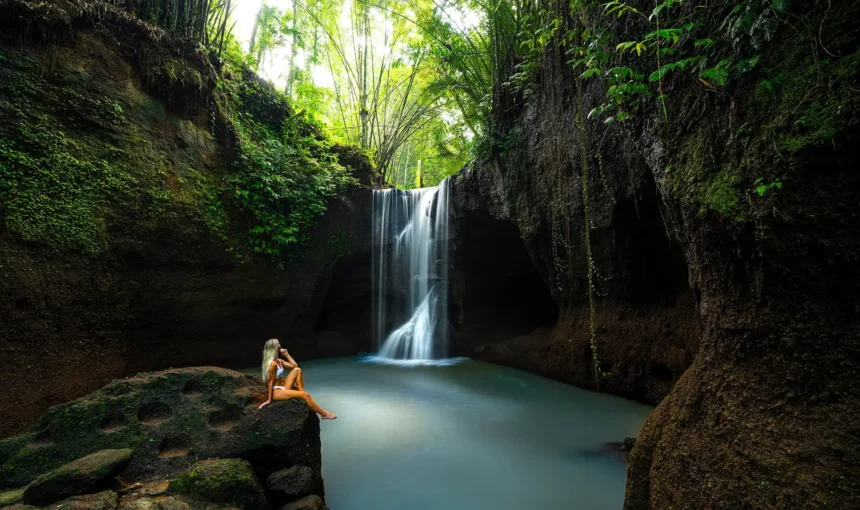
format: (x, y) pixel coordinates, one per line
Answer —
(158, 207)
(712, 210)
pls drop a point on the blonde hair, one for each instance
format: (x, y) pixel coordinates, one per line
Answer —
(270, 353)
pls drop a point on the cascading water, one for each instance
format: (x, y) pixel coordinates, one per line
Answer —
(410, 272)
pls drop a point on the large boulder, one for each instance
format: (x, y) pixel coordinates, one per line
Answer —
(312, 502)
(142, 504)
(292, 482)
(11, 497)
(107, 500)
(170, 419)
(82, 476)
(221, 481)
(167, 503)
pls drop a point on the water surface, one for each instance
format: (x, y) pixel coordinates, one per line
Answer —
(466, 435)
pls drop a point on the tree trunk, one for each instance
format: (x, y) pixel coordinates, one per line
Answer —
(291, 75)
(363, 111)
(256, 25)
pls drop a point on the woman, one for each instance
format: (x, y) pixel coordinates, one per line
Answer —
(293, 385)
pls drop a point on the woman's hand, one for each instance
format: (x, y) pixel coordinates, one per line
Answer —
(290, 363)
(264, 404)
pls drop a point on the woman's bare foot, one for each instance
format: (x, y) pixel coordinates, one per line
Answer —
(328, 416)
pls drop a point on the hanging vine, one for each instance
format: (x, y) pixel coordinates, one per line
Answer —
(582, 56)
(559, 241)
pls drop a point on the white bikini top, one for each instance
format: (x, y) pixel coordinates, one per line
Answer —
(279, 373)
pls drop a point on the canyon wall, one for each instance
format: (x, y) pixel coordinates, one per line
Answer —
(737, 305)
(127, 261)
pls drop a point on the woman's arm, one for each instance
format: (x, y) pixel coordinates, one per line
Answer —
(290, 359)
(291, 363)
(272, 371)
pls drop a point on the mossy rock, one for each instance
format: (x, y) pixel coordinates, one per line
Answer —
(172, 503)
(141, 504)
(221, 481)
(84, 475)
(163, 503)
(107, 500)
(11, 497)
(20, 506)
(293, 482)
(170, 419)
(312, 502)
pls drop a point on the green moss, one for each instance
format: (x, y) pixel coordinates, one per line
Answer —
(795, 104)
(179, 71)
(696, 175)
(82, 475)
(59, 440)
(11, 497)
(55, 188)
(88, 164)
(223, 481)
(817, 119)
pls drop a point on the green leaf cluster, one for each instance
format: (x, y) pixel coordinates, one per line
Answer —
(54, 191)
(284, 172)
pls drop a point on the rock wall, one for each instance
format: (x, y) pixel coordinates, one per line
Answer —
(745, 301)
(520, 295)
(150, 285)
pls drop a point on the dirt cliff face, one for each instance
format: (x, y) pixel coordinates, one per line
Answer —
(127, 266)
(745, 301)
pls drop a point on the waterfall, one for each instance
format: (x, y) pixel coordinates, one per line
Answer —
(410, 272)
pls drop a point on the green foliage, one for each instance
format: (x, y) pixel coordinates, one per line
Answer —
(462, 61)
(54, 189)
(626, 89)
(284, 172)
(283, 181)
(270, 32)
(674, 44)
(539, 27)
(760, 186)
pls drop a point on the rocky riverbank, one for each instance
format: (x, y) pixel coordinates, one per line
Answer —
(171, 440)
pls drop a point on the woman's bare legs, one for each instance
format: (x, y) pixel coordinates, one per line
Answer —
(292, 377)
(300, 380)
(288, 394)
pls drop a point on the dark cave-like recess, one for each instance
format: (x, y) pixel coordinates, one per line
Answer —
(650, 269)
(497, 292)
